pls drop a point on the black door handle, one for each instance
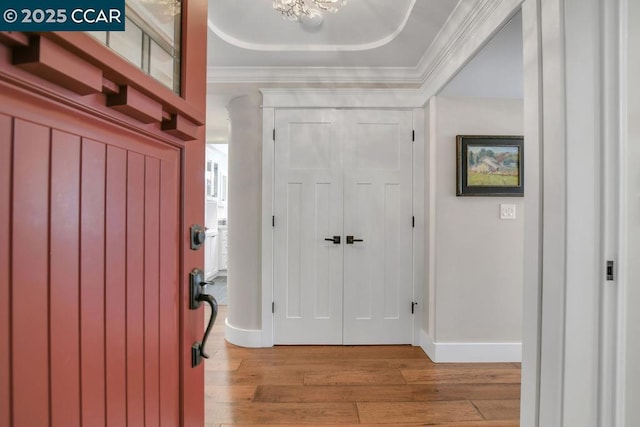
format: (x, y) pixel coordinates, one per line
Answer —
(197, 296)
(209, 299)
(334, 239)
(351, 240)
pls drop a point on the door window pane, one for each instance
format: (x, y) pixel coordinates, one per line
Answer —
(151, 39)
(161, 64)
(128, 43)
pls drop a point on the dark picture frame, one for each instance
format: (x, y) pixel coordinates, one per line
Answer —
(490, 166)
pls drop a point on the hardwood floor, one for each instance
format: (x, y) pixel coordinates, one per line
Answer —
(348, 386)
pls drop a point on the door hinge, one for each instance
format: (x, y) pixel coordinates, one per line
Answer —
(273, 307)
(413, 307)
(413, 221)
(274, 134)
(413, 136)
(273, 221)
(610, 271)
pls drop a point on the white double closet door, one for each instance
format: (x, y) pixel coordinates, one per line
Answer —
(343, 175)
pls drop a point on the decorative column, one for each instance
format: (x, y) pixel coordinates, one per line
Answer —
(243, 323)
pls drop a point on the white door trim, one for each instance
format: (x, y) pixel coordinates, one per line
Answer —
(612, 349)
(268, 176)
(620, 409)
(531, 350)
(577, 121)
(419, 231)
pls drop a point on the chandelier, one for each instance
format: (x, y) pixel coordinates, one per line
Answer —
(296, 10)
(167, 8)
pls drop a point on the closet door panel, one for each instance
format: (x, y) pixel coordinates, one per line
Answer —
(308, 210)
(378, 214)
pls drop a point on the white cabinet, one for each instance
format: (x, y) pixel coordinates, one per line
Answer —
(211, 255)
(223, 245)
(211, 180)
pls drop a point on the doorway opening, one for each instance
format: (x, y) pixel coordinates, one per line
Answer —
(476, 83)
(216, 217)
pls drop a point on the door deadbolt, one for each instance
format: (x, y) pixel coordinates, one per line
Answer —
(198, 236)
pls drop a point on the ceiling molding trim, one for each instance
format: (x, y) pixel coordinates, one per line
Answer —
(467, 30)
(389, 75)
(484, 21)
(463, 18)
(341, 98)
(312, 47)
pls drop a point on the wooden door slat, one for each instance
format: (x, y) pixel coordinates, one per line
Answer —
(29, 303)
(92, 270)
(115, 291)
(151, 292)
(6, 147)
(135, 289)
(65, 280)
(169, 285)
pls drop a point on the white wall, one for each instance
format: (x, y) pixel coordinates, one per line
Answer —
(478, 257)
(633, 219)
(496, 71)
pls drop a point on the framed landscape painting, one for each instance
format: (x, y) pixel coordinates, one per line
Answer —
(490, 166)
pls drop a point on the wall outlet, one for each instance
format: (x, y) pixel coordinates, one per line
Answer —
(507, 211)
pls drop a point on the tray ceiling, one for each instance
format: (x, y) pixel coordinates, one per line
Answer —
(254, 25)
(249, 34)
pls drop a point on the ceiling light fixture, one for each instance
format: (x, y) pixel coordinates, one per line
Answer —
(309, 10)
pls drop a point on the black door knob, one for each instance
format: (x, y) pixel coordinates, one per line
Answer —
(198, 236)
(334, 239)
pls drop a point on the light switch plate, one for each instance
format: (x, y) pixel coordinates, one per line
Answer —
(507, 211)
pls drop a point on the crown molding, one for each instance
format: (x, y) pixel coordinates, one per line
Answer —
(462, 21)
(341, 98)
(464, 34)
(348, 75)
(469, 27)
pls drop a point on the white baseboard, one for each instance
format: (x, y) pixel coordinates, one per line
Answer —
(251, 338)
(470, 352)
(428, 345)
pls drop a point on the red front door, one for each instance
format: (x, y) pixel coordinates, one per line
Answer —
(95, 207)
(90, 288)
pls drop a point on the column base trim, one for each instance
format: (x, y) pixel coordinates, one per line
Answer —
(251, 338)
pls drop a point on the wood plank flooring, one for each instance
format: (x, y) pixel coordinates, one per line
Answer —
(353, 386)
